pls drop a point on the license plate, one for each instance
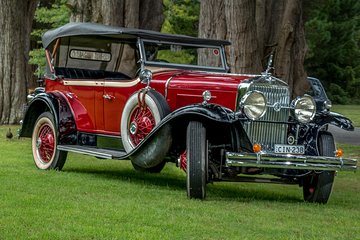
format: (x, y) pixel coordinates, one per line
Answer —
(289, 149)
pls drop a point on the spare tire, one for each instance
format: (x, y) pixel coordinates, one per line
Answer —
(137, 122)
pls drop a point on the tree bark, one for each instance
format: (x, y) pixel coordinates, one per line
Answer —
(125, 13)
(258, 28)
(208, 28)
(15, 24)
(244, 54)
(291, 48)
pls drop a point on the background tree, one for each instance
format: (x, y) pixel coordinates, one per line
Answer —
(15, 25)
(333, 38)
(181, 17)
(128, 13)
(48, 15)
(256, 29)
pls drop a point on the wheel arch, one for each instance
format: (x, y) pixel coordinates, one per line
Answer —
(41, 103)
(57, 105)
(218, 121)
(332, 118)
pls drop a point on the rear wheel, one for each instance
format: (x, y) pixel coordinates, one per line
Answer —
(317, 187)
(44, 144)
(197, 157)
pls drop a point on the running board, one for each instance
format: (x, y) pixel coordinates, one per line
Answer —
(94, 151)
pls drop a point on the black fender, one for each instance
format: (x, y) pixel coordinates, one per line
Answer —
(335, 119)
(309, 133)
(215, 118)
(56, 104)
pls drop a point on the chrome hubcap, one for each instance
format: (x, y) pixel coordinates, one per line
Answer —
(133, 128)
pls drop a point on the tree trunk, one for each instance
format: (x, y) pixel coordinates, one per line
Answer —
(258, 28)
(290, 50)
(15, 24)
(126, 13)
(244, 54)
(208, 28)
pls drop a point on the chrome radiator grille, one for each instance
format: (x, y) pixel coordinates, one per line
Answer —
(271, 132)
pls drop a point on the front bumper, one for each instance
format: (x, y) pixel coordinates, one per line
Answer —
(288, 161)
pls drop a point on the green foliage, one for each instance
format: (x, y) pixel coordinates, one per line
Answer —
(181, 17)
(333, 36)
(37, 57)
(183, 57)
(337, 94)
(47, 16)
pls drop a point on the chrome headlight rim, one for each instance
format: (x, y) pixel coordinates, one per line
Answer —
(298, 107)
(247, 106)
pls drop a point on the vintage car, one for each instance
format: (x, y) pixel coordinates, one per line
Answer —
(152, 98)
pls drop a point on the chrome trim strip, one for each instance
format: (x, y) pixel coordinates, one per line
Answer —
(111, 83)
(102, 83)
(84, 151)
(87, 83)
(167, 85)
(288, 161)
(168, 82)
(93, 151)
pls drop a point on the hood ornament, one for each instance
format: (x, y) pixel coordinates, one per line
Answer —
(267, 74)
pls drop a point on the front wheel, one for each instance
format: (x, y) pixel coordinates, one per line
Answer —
(197, 157)
(44, 144)
(317, 187)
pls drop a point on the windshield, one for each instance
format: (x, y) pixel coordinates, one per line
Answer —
(184, 56)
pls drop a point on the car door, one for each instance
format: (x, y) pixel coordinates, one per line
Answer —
(81, 95)
(115, 95)
(119, 85)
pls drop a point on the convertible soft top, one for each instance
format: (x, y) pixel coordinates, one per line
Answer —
(77, 28)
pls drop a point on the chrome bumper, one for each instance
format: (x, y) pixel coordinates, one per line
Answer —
(288, 161)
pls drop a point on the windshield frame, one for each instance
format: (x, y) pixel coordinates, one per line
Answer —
(144, 62)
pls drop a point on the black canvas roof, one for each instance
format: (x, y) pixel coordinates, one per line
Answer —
(76, 29)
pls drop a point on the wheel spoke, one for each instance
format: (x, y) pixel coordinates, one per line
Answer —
(47, 143)
(144, 122)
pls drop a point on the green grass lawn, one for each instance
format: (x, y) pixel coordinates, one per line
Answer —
(350, 111)
(103, 199)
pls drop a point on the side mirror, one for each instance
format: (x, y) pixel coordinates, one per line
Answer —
(145, 76)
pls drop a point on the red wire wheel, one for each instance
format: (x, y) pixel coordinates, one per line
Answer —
(44, 144)
(141, 123)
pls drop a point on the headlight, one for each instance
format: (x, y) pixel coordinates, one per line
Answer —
(304, 109)
(253, 104)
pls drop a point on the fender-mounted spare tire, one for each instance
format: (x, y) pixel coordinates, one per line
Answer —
(137, 123)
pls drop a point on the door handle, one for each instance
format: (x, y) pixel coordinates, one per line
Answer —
(108, 97)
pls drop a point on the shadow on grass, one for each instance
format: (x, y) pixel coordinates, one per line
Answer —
(156, 179)
(215, 192)
(232, 193)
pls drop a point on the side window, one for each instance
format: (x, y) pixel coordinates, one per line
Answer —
(89, 57)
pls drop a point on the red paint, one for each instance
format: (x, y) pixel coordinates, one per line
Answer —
(47, 143)
(183, 161)
(141, 123)
(94, 113)
(186, 87)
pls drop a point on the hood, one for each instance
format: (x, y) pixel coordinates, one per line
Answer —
(183, 87)
(196, 78)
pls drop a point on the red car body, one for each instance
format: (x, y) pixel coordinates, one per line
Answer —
(153, 98)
